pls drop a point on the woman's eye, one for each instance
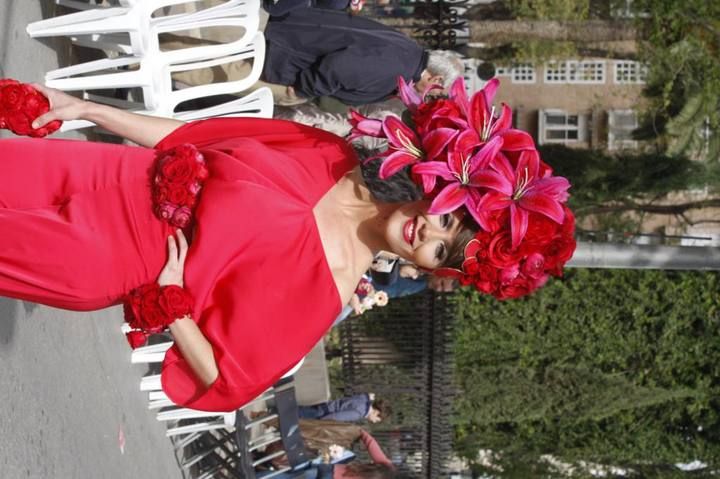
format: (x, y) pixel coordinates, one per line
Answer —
(440, 252)
(445, 220)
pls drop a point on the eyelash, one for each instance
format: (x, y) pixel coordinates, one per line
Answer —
(440, 253)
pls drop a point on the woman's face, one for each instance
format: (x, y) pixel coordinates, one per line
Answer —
(420, 237)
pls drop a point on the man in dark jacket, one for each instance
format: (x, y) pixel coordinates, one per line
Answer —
(317, 52)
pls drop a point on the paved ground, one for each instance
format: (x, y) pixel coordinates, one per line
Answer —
(70, 402)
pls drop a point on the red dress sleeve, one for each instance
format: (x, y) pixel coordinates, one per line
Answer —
(264, 292)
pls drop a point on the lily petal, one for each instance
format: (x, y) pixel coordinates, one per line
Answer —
(493, 201)
(518, 224)
(486, 154)
(479, 113)
(489, 90)
(516, 140)
(436, 140)
(395, 162)
(543, 204)
(458, 93)
(554, 186)
(449, 199)
(501, 164)
(467, 140)
(434, 168)
(492, 180)
(399, 134)
(504, 122)
(528, 164)
(408, 94)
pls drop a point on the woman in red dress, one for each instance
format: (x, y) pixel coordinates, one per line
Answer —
(285, 228)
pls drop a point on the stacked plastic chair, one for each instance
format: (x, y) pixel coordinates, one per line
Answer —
(216, 434)
(133, 31)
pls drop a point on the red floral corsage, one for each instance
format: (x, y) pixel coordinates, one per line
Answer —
(177, 181)
(151, 308)
(20, 105)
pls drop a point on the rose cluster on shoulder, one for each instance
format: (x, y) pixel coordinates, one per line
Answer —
(178, 178)
(464, 155)
(20, 105)
(150, 308)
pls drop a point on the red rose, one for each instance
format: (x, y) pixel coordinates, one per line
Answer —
(515, 289)
(12, 97)
(534, 266)
(557, 253)
(35, 103)
(177, 169)
(8, 81)
(541, 230)
(440, 113)
(181, 217)
(136, 338)
(175, 301)
(501, 252)
(178, 193)
(18, 122)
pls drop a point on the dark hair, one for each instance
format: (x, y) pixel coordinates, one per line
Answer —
(370, 471)
(456, 251)
(383, 407)
(399, 188)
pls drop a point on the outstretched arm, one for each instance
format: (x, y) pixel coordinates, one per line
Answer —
(141, 129)
(374, 450)
(193, 345)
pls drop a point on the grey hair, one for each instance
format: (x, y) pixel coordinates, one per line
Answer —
(447, 64)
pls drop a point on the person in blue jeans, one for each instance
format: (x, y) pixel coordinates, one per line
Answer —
(351, 408)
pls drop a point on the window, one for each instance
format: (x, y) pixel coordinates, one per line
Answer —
(629, 72)
(523, 73)
(621, 124)
(558, 126)
(502, 71)
(572, 71)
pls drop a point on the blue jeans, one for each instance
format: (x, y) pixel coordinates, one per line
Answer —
(314, 471)
(313, 412)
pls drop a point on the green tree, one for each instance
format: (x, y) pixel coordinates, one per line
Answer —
(609, 366)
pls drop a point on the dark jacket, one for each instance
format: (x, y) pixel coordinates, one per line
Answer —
(330, 53)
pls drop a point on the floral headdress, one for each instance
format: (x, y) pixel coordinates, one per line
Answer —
(464, 155)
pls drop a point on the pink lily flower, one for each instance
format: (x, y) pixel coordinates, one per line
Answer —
(482, 119)
(521, 189)
(364, 126)
(408, 149)
(461, 172)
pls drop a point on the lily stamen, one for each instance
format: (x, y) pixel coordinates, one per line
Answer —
(408, 144)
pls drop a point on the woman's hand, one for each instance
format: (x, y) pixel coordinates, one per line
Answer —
(62, 106)
(174, 269)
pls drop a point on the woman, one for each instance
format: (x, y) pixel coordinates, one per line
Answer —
(284, 212)
(322, 436)
(91, 203)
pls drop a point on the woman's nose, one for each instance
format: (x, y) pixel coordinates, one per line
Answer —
(429, 232)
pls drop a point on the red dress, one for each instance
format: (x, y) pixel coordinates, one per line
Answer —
(77, 232)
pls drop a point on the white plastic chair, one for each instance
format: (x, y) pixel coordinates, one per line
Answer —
(78, 5)
(154, 72)
(137, 22)
(258, 104)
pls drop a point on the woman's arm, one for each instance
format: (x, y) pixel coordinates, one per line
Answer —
(374, 450)
(141, 129)
(193, 345)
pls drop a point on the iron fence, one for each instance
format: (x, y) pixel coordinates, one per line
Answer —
(402, 353)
